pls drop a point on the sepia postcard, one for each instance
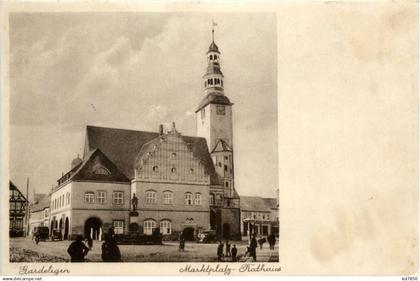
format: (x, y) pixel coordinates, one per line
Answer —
(209, 139)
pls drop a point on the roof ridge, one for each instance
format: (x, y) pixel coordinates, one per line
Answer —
(139, 131)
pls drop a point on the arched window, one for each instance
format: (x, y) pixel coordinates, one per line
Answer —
(90, 197)
(173, 154)
(150, 197)
(101, 171)
(165, 227)
(211, 57)
(212, 199)
(188, 198)
(197, 199)
(168, 197)
(155, 168)
(215, 57)
(173, 169)
(148, 226)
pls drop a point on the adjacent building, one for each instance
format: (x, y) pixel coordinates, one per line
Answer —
(17, 211)
(259, 216)
(39, 212)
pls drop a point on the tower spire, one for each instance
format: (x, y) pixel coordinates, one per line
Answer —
(213, 78)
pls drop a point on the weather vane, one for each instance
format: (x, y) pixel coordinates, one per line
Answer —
(213, 24)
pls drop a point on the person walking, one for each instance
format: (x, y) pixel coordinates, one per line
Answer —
(272, 241)
(234, 252)
(220, 251)
(77, 250)
(227, 249)
(181, 243)
(110, 250)
(253, 248)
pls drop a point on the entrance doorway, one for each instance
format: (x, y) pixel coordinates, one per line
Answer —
(66, 229)
(226, 231)
(188, 233)
(52, 226)
(93, 228)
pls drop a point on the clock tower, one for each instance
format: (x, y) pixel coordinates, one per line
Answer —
(214, 117)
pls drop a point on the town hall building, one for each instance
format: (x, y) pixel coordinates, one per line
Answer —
(183, 184)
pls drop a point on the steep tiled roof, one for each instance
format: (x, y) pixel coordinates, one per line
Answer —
(43, 203)
(272, 202)
(38, 197)
(213, 98)
(256, 204)
(221, 146)
(123, 146)
(12, 186)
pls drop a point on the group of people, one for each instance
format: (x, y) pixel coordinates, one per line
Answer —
(232, 253)
(110, 251)
(251, 250)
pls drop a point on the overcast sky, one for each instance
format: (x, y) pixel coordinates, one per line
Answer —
(136, 71)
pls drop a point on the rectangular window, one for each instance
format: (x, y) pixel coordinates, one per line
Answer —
(101, 197)
(118, 197)
(168, 198)
(151, 197)
(188, 198)
(89, 197)
(197, 199)
(118, 227)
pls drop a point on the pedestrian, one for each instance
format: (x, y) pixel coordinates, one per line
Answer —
(181, 242)
(111, 233)
(77, 250)
(220, 251)
(227, 249)
(110, 250)
(89, 242)
(272, 241)
(234, 252)
(253, 248)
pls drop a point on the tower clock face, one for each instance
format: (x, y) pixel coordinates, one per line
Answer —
(221, 110)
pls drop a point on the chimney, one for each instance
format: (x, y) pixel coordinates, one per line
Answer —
(160, 130)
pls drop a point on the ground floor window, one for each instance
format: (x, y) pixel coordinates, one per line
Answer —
(165, 227)
(118, 227)
(149, 226)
